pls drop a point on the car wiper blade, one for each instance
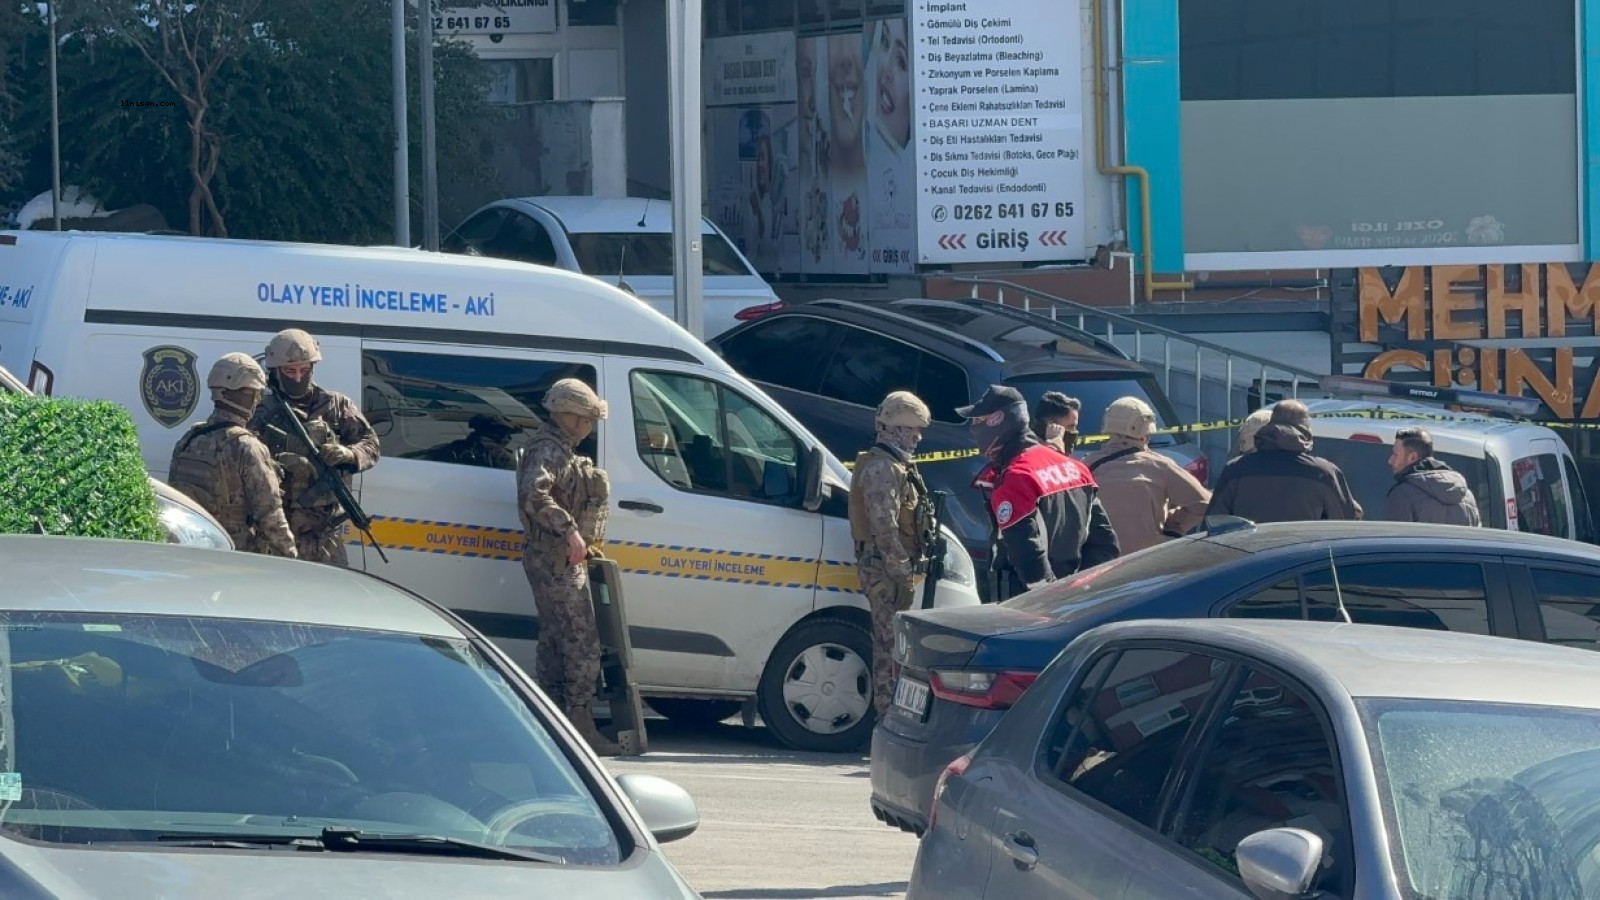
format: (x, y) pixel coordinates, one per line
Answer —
(355, 841)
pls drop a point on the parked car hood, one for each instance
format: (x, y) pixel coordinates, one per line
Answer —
(33, 872)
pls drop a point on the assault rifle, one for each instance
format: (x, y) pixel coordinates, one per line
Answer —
(936, 546)
(326, 476)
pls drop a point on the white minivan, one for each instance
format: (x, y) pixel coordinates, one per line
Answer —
(625, 241)
(1522, 473)
(727, 517)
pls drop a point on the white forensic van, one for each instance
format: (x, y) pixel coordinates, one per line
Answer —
(727, 517)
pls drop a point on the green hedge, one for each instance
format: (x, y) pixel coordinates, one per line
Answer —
(73, 467)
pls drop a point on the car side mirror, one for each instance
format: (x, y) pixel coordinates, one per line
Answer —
(1279, 863)
(813, 480)
(668, 810)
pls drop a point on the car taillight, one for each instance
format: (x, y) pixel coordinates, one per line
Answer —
(985, 690)
(1200, 468)
(957, 768)
(756, 312)
(1366, 438)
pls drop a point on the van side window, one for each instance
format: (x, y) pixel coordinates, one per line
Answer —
(465, 410)
(1541, 502)
(697, 435)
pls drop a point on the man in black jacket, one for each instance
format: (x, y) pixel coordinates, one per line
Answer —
(1043, 502)
(1281, 481)
(1427, 489)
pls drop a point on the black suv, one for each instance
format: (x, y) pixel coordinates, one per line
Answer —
(830, 362)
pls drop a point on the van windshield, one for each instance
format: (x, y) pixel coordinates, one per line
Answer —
(1366, 467)
(608, 254)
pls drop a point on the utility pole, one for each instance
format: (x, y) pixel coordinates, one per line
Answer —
(684, 25)
(430, 161)
(402, 162)
(55, 128)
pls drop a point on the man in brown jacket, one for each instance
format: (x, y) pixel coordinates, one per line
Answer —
(1149, 497)
(1281, 481)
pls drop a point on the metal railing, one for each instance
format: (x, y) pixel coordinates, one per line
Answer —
(1257, 371)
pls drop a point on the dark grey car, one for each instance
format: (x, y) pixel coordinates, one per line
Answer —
(961, 669)
(1281, 760)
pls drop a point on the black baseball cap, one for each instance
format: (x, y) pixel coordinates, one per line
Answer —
(996, 398)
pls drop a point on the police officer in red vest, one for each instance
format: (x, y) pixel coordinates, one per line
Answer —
(1044, 504)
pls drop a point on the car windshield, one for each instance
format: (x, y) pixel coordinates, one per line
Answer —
(1123, 580)
(1366, 467)
(608, 254)
(1489, 800)
(135, 728)
(1096, 393)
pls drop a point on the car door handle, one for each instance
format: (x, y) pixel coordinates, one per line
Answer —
(1019, 846)
(641, 506)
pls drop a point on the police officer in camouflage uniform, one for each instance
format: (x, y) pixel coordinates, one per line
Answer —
(227, 470)
(561, 498)
(890, 511)
(344, 440)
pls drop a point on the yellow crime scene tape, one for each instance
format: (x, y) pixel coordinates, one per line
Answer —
(1087, 440)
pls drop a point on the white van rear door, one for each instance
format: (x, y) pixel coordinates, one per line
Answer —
(706, 522)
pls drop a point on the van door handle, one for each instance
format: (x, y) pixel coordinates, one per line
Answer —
(641, 506)
(1019, 846)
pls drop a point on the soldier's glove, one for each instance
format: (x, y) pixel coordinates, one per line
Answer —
(296, 467)
(335, 454)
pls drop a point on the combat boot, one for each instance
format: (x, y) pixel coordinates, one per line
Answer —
(583, 720)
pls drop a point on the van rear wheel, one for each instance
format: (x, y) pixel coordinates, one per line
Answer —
(816, 692)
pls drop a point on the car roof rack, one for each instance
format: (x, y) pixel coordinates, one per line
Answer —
(940, 330)
(1026, 317)
(1502, 405)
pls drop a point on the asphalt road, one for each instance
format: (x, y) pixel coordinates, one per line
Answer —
(774, 824)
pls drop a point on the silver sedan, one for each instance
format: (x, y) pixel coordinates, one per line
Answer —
(1281, 760)
(180, 723)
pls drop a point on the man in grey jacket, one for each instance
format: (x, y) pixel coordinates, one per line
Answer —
(1426, 489)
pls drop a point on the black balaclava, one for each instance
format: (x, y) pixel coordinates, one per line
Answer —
(997, 429)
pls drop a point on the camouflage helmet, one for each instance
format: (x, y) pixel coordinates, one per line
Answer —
(292, 346)
(1252, 424)
(1129, 417)
(903, 408)
(236, 371)
(569, 395)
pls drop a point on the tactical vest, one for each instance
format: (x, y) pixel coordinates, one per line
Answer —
(915, 514)
(196, 475)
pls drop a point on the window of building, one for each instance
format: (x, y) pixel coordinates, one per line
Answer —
(697, 435)
(521, 80)
(1125, 734)
(465, 410)
(1378, 124)
(788, 351)
(591, 12)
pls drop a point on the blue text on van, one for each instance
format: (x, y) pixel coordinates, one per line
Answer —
(373, 298)
(17, 297)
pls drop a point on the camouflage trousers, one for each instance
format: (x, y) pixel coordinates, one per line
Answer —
(886, 596)
(316, 537)
(567, 662)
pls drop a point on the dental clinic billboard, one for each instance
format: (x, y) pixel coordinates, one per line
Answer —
(1000, 133)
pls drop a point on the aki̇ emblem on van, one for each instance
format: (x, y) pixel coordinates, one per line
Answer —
(169, 384)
